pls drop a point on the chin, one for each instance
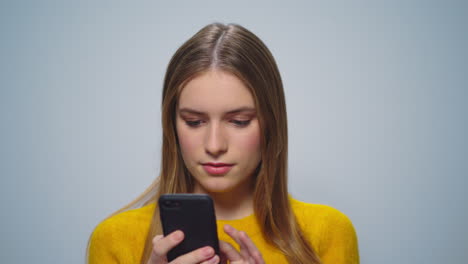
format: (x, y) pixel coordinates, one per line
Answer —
(216, 185)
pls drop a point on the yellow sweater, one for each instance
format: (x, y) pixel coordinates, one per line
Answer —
(121, 238)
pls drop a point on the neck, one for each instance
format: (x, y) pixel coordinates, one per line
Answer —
(230, 206)
(233, 204)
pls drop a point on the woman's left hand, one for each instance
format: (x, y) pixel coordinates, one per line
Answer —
(248, 253)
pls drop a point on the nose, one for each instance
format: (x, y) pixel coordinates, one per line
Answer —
(216, 143)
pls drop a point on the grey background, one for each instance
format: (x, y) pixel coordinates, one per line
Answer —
(376, 95)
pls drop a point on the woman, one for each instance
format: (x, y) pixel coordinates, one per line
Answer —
(225, 134)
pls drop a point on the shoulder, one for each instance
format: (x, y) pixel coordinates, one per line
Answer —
(330, 231)
(120, 232)
(122, 222)
(318, 212)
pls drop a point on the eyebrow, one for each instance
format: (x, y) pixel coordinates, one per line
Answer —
(234, 111)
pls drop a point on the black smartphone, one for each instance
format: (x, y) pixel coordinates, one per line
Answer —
(194, 215)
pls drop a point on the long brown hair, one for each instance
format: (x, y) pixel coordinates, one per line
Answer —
(236, 50)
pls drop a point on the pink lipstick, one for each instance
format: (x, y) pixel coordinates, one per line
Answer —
(215, 168)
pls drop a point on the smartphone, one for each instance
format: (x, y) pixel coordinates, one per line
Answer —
(194, 215)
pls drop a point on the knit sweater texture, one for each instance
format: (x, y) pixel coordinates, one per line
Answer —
(121, 238)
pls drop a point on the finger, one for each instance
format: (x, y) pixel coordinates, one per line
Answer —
(248, 248)
(214, 260)
(162, 245)
(153, 258)
(234, 233)
(196, 256)
(230, 253)
(254, 252)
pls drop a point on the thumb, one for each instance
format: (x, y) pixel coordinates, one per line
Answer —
(153, 258)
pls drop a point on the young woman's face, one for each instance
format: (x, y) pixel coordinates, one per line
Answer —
(219, 133)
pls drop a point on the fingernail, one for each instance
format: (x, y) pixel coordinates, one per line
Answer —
(208, 251)
(214, 260)
(178, 235)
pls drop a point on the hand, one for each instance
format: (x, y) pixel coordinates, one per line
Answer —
(248, 254)
(162, 245)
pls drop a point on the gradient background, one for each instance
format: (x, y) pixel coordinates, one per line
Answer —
(377, 106)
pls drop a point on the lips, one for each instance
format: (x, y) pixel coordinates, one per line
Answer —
(215, 168)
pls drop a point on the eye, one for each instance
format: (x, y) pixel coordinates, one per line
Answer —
(193, 123)
(240, 123)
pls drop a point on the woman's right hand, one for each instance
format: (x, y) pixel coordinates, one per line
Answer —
(162, 245)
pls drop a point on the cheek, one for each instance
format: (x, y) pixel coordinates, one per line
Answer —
(250, 143)
(188, 143)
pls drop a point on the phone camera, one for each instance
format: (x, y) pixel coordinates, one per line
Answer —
(171, 204)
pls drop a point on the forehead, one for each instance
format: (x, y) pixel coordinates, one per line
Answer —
(215, 91)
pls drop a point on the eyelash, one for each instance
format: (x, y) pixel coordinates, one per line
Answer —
(194, 123)
(238, 123)
(241, 123)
